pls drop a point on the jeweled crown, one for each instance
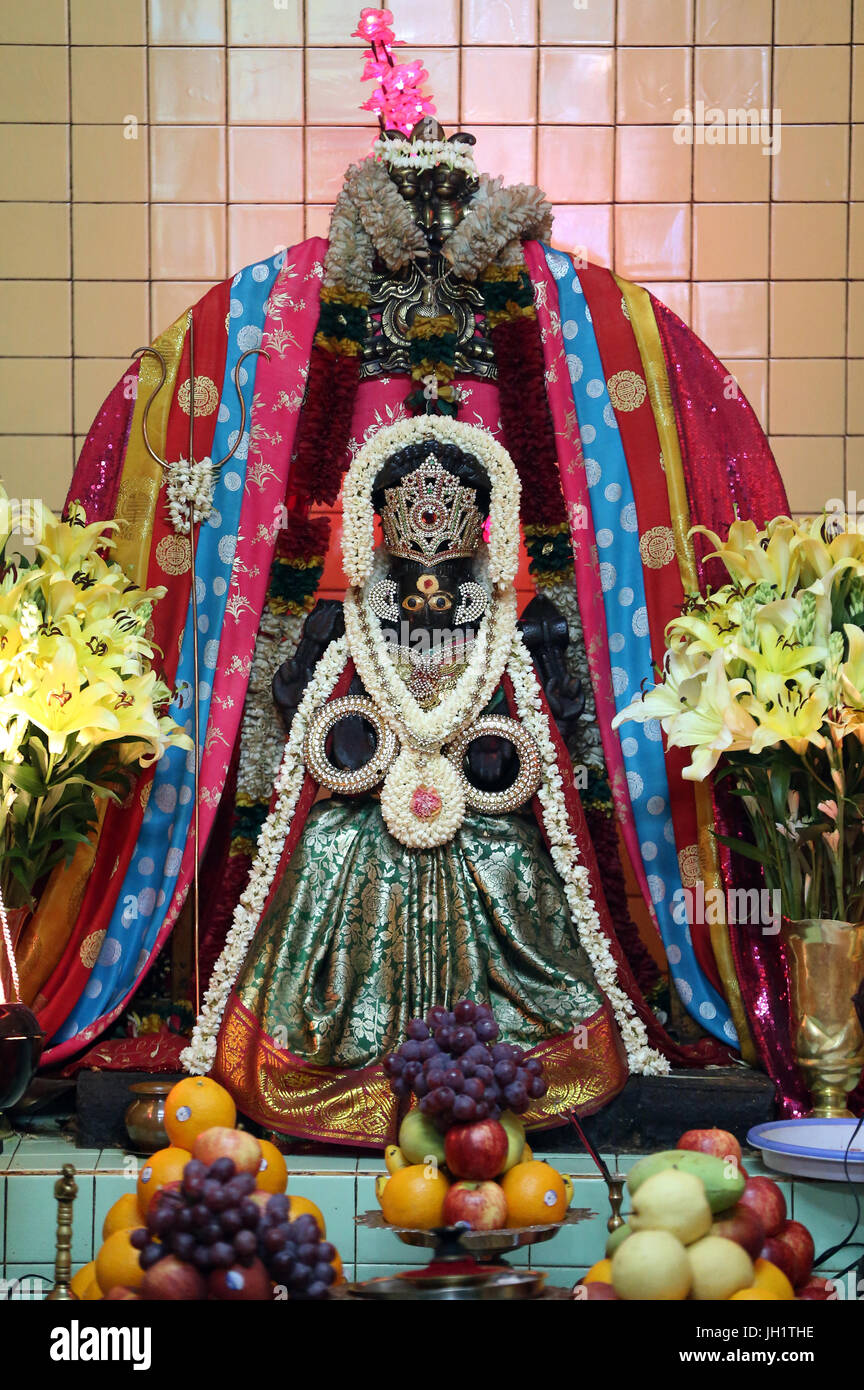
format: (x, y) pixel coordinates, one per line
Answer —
(430, 516)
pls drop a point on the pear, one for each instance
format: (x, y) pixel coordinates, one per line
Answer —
(672, 1201)
(515, 1139)
(718, 1268)
(419, 1139)
(651, 1265)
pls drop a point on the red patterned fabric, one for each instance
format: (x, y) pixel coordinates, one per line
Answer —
(149, 1052)
(96, 479)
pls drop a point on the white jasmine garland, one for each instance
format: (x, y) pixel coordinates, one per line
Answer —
(199, 1056)
(642, 1058)
(358, 519)
(425, 154)
(409, 775)
(189, 487)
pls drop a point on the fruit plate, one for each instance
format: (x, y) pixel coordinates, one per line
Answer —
(506, 1284)
(811, 1148)
(477, 1242)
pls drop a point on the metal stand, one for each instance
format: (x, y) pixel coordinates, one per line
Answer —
(65, 1190)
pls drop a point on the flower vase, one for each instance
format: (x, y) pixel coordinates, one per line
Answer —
(826, 967)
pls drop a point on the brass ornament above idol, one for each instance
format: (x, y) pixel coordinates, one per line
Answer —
(430, 637)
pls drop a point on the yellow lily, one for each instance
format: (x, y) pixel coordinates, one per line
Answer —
(61, 708)
(717, 724)
(779, 660)
(796, 722)
(852, 670)
(752, 556)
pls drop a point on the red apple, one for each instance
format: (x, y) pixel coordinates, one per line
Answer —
(817, 1290)
(711, 1141)
(221, 1142)
(240, 1283)
(799, 1242)
(767, 1200)
(742, 1225)
(595, 1292)
(482, 1205)
(476, 1151)
(173, 1281)
(780, 1255)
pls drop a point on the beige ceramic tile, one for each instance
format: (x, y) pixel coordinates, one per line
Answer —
(108, 21)
(110, 317)
(856, 240)
(187, 240)
(653, 83)
(586, 231)
(187, 164)
(34, 395)
(255, 233)
(109, 241)
(335, 94)
(187, 21)
(107, 166)
(733, 77)
(858, 82)
(856, 191)
(855, 330)
(265, 164)
(317, 219)
(577, 86)
(855, 396)
(576, 163)
(263, 22)
(265, 85)
(329, 152)
(733, 21)
(499, 21)
(109, 85)
(675, 294)
(812, 84)
(751, 379)
(732, 317)
(187, 85)
(652, 242)
(35, 318)
(812, 21)
(37, 466)
(811, 468)
(507, 151)
(34, 241)
(168, 299)
(35, 163)
(590, 21)
(730, 240)
(34, 83)
(650, 166)
(667, 23)
(808, 318)
(812, 164)
(30, 23)
(417, 22)
(498, 85)
(94, 378)
(731, 173)
(807, 396)
(855, 472)
(808, 239)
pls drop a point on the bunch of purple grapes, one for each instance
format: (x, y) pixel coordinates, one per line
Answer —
(452, 1062)
(210, 1221)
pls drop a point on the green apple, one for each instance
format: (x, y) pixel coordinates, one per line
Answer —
(515, 1138)
(419, 1139)
(672, 1201)
(616, 1238)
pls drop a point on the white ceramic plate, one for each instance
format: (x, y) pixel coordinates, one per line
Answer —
(811, 1148)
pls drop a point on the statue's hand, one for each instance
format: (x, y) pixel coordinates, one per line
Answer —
(546, 635)
(492, 763)
(566, 701)
(324, 624)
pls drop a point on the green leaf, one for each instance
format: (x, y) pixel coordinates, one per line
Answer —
(744, 848)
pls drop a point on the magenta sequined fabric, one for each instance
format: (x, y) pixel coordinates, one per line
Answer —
(730, 472)
(96, 479)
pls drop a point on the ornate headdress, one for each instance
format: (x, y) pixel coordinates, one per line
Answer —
(430, 516)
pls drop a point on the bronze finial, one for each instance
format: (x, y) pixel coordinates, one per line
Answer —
(65, 1190)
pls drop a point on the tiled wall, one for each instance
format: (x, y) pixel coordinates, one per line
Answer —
(152, 147)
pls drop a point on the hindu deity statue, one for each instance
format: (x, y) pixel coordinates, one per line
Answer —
(436, 363)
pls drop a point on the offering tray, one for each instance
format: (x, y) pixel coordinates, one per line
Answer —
(438, 1285)
(454, 1242)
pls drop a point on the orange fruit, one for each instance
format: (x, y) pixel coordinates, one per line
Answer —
(165, 1166)
(197, 1103)
(601, 1273)
(414, 1197)
(272, 1176)
(536, 1194)
(300, 1206)
(336, 1262)
(92, 1293)
(118, 1263)
(768, 1276)
(84, 1276)
(123, 1216)
(755, 1295)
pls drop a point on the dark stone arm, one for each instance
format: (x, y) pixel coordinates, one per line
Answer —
(546, 635)
(324, 624)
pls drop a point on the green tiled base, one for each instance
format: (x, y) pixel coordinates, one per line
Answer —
(343, 1186)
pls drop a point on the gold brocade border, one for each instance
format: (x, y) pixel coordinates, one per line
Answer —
(647, 336)
(142, 476)
(584, 1069)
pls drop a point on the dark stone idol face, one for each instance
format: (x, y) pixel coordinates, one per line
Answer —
(427, 596)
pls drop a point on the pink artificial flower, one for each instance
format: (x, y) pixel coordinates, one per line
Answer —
(375, 25)
(828, 808)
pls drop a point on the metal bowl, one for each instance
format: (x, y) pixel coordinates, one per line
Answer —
(506, 1284)
(21, 1041)
(463, 1239)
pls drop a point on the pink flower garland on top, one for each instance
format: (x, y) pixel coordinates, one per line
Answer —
(397, 101)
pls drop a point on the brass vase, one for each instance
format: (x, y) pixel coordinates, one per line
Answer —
(826, 964)
(145, 1117)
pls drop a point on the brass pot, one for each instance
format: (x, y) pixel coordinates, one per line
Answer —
(826, 962)
(145, 1117)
